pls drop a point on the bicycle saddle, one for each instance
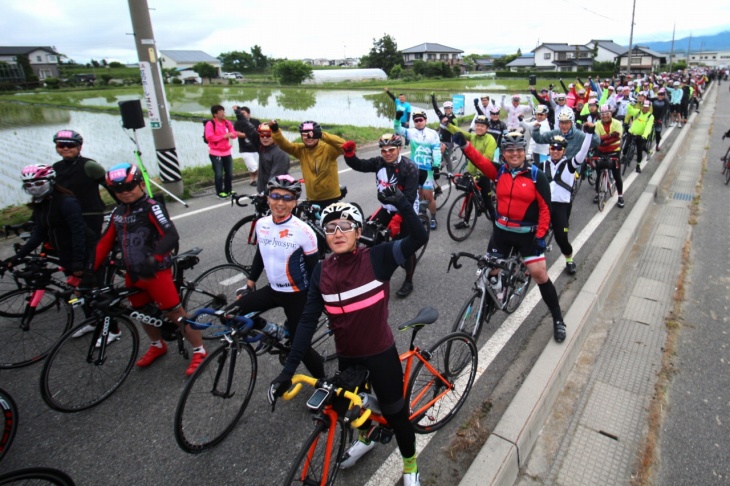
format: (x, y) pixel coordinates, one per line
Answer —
(427, 315)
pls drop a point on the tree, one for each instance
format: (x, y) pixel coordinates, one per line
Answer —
(603, 66)
(260, 61)
(384, 54)
(501, 62)
(205, 70)
(292, 72)
(237, 61)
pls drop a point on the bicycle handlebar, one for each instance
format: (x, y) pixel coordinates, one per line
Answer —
(355, 400)
(454, 260)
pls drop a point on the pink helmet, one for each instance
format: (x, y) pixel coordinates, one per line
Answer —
(605, 108)
(37, 172)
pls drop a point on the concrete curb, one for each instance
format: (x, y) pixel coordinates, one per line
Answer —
(509, 445)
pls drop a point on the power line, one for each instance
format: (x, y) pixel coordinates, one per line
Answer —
(590, 11)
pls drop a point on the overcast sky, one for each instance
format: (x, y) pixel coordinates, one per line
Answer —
(86, 29)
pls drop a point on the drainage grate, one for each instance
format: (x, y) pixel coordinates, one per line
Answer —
(683, 196)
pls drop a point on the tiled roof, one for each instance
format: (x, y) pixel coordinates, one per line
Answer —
(430, 47)
(189, 56)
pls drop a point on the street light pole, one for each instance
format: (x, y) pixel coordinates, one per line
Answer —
(631, 39)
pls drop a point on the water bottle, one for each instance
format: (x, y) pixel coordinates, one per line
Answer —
(370, 401)
(496, 284)
(275, 331)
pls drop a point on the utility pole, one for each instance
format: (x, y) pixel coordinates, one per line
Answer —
(689, 46)
(631, 39)
(154, 94)
(671, 52)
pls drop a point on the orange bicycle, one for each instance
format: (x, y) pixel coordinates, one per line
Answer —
(436, 384)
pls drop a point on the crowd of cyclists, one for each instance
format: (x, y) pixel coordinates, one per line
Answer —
(530, 160)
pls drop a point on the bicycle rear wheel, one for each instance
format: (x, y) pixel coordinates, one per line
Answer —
(442, 196)
(439, 387)
(37, 475)
(318, 459)
(520, 283)
(602, 190)
(215, 288)
(462, 217)
(426, 222)
(76, 377)
(628, 155)
(8, 420)
(323, 341)
(241, 242)
(215, 397)
(475, 312)
(28, 333)
(727, 176)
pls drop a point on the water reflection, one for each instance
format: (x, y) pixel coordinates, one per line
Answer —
(297, 99)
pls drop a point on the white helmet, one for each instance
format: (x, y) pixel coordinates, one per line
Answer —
(342, 210)
(566, 115)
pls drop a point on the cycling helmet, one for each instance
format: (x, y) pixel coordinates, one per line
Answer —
(420, 114)
(605, 108)
(448, 104)
(481, 119)
(513, 139)
(309, 126)
(286, 182)
(566, 115)
(561, 96)
(68, 136)
(558, 140)
(341, 210)
(494, 110)
(37, 172)
(390, 140)
(541, 109)
(516, 97)
(122, 174)
(264, 128)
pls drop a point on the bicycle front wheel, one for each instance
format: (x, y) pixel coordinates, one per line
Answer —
(77, 376)
(727, 173)
(426, 222)
(520, 283)
(443, 196)
(602, 190)
(37, 475)
(215, 397)
(474, 313)
(8, 421)
(323, 341)
(215, 288)
(439, 386)
(462, 217)
(319, 458)
(27, 333)
(241, 242)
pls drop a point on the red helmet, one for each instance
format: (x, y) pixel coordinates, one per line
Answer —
(122, 174)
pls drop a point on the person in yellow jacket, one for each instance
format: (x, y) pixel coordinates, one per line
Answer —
(641, 128)
(317, 155)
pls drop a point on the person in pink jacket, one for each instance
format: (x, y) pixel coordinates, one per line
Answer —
(218, 133)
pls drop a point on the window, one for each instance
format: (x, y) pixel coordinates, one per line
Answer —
(44, 73)
(561, 57)
(39, 59)
(51, 58)
(547, 56)
(418, 55)
(443, 56)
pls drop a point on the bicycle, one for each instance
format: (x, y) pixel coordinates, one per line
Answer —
(81, 372)
(606, 182)
(436, 384)
(726, 165)
(628, 151)
(374, 233)
(216, 395)
(467, 207)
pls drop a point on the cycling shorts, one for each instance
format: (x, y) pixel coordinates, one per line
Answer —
(503, 242)
(674, 108)
(159, 289)
(426, 183)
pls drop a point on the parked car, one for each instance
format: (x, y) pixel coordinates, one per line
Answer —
(233, 75)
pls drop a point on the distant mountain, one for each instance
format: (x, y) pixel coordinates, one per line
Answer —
(717, 42)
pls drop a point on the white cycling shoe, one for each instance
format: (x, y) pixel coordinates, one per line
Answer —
(84, 330)
(411, 479)
(355, 452)
(110, 338)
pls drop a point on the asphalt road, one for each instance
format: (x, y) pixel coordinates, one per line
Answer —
(128, 439)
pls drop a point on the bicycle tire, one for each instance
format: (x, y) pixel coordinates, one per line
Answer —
(37, 475)
(576, 187)
(216, 289)
(727, 176)
(313, 463)
(463, 211)
(724, 164)
(628, 155)
(602, 191)
(443, 197)
(474, 314)
(9, 411)
(520, 283)
(71, 381)
(323, 341)
(208, 409)
(241, 242)
(591, 177)
(435, 400)
(426, 222)
(45, 325)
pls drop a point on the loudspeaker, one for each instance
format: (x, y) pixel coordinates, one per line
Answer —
(131, 111)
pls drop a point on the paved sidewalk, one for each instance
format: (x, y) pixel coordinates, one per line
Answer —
(581, 415)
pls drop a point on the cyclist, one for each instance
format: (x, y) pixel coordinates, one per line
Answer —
(573, 136)
(660, 108)
(402, 106)
(540, 151)
(480, 110)
(495, 127)
(352, 286)
(558, 102)
(523, 214)
(642, 125)
(544, 99)
(317, 156)
(391, 168)
(426, 154)
(561, 174)
(287, 251)
(447, 147)
(58, 221)
(610, 131)
(272, 160)
(675, 103)
(515, 110)
(146, 235)
(82, 177)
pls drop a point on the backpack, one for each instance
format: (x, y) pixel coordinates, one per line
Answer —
(205, 123)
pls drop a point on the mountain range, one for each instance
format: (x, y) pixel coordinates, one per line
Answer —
(716, 42)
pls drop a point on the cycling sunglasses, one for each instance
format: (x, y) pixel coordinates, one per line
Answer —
(282, 197)
(35, 183)
(557, 147)
(66, 145)
(343, 226)
(389, 150)
(129, 186)
(418, 120)
(264, 135)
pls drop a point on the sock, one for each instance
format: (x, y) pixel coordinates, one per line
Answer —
(569, 259)
(199, 349)
(362, 437)
(409, 465)
(433, 217)
(157, 344)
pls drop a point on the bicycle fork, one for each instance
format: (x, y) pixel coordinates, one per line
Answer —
(233, 352)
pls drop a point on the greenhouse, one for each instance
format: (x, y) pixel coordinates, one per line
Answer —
(341, 75)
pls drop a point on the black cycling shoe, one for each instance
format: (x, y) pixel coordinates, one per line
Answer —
(595, 199)
(638, 169)
(571, 268)
(405, 289)
(559, 330)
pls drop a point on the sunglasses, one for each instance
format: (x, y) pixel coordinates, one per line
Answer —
(343, 226)
(129, 186)
(35, 183)
(419, 120)
(513, 150)
(542, 114)
(264, 135)
(389, 150)
(66, 145)
(557, 148)
(282, 197)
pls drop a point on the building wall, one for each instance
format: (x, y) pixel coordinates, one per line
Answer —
(43, 63)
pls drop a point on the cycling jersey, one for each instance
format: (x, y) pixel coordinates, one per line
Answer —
(141, 229)
(425, 146)
(561, 174)
(403, 173)
(609, 143)
(444, 134)
(515, 112)
(83, 177)
(574, 138)
(283, 248)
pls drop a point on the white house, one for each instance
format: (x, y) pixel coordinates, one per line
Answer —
(43, 59)
(709, 58)
(607, 50)
(431, 52)
(562, 57)
(182, 60)
(643, 60)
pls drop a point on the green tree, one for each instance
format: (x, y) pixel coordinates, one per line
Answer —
(116, 64)
(384, 54)
(237, 61)
(501, 62)
(260, 61)
(396, 72)
(603, 66)
(205, 70)
(292, 72)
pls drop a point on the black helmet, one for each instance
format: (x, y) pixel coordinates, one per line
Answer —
(558, 140)
(309, 126)
(68, 136)
(513, 139)
(390, 140)
(122, 174)
(481, 119)
(419, 114)
(286, 182)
